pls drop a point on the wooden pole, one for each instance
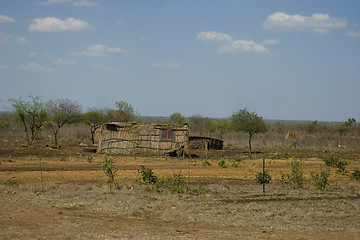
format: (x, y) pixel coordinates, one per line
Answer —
(263, 180)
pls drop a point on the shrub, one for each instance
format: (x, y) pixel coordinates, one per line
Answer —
(147, 175)
(286, 155)
(173, 184)
(355, 174)
(263, 177)
(320, 180)
(335, 162)
(110, 172)
(296, 178)
(222, 163)
(235, 164)
(206, 163)
(239, 159)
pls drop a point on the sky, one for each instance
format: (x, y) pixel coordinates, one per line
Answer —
(283, 59)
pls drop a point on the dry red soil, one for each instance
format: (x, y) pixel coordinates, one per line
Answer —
(60, 194)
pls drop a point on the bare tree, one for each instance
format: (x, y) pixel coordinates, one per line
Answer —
(61, 112)
(95, 118)
(32, 114)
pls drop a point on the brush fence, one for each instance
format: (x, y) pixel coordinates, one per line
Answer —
(140, 139)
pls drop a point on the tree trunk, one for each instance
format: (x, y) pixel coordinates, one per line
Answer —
(250, 137)
(56, 137)
(92, 137)
(93, 129)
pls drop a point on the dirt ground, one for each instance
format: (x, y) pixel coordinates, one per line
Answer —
(59, 193)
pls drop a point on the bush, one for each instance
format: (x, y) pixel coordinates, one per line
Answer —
(206, 163)
(110, 172)
(147, 175)
(263, 177)
(222, 163)
(320, 180)
(296, 178)
(335, 162)
(173, 184)
(355, 174)
(239, 159)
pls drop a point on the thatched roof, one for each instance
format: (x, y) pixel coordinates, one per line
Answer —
(155, 126)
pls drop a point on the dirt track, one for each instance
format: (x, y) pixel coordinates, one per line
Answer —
(74, 204)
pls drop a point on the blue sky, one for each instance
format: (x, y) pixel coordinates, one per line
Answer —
(290, 60)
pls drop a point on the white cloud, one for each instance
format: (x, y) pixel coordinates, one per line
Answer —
(98, 50)
(271, 41)
(6, 19)
(51, 24)
(84, 3)
(32, 53)
(353, 34)
(115, 50)
(214, 37)
(318, 22)
(242, 46)
(65, 61)
(5, 38)
(167, 64)
(77, 3)
(101, 67)
(49, 2)
(5, 67)
(226, 44)
(22, 40)
(35, 67)
(119, 22)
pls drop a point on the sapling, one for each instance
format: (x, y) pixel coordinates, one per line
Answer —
(110, 172)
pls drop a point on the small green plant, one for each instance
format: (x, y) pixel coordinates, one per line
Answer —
(239, 159)
(147, 175)
(206, 163)
(335, 162)
(320, 180)
(173, 184)
(222, 163)
(235, 164)
(296, 177)
(90, 159)
(62, 159)
(286, 155)
(263, 177)
(110, 172)
(355, 174)
(12, 182)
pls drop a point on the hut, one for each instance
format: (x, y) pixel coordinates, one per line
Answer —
(196, 142)
(142, 139)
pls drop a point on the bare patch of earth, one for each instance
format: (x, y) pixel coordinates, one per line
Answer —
(230, 210)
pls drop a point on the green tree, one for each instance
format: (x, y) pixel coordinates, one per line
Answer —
(31, 113)
(124, 112)
(349, 122)
(346, 126)
(249, 123)
(95, 118)
(177, 118)
(60, 113)
(218, 126)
